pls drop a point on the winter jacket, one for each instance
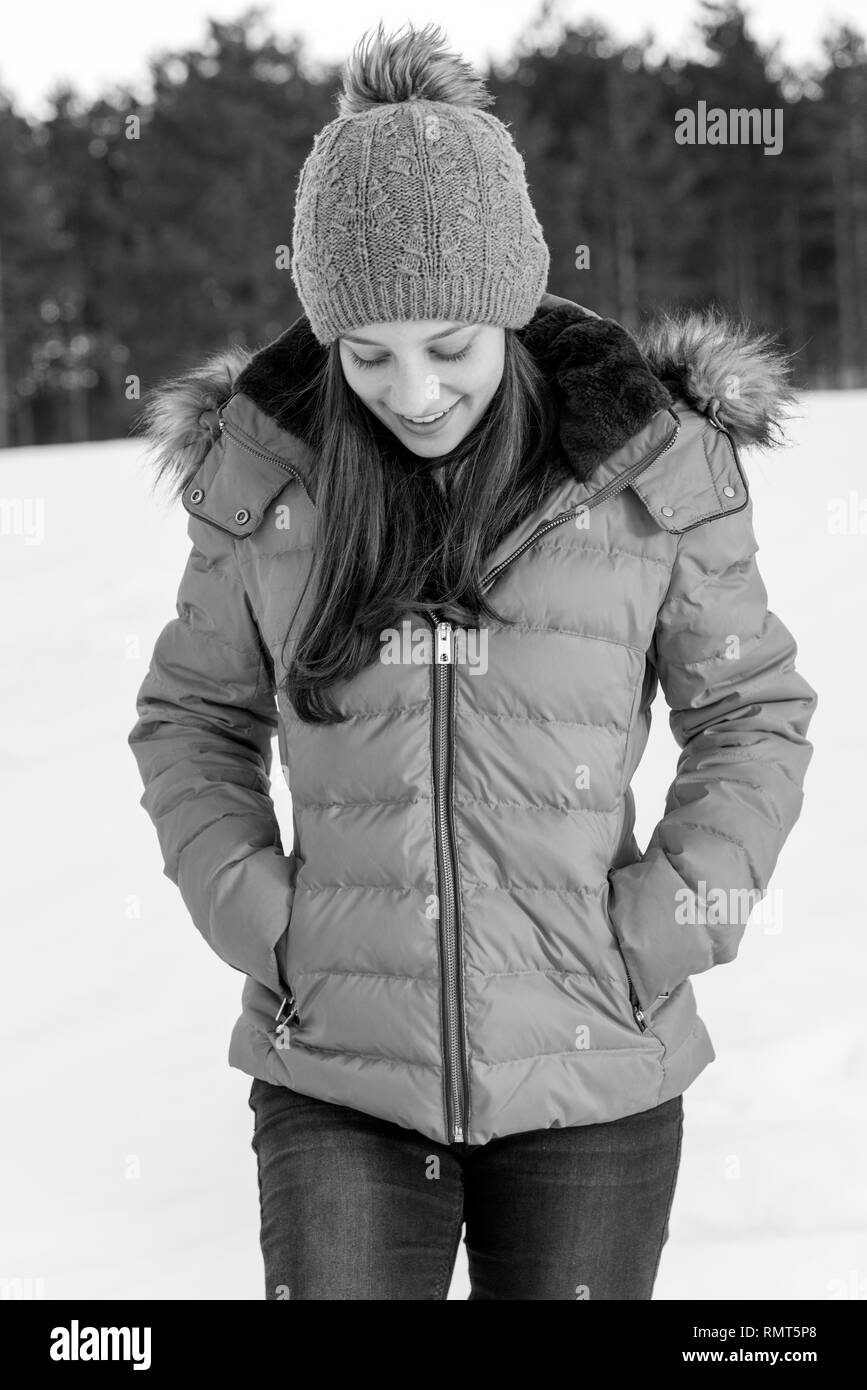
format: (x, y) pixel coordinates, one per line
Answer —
(465, 937)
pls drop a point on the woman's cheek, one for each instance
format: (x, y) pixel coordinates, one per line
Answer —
(472, 382)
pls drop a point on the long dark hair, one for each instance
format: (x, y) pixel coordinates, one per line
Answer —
(389, 541)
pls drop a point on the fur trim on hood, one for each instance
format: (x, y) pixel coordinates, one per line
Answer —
(706, 357)
(607, 383)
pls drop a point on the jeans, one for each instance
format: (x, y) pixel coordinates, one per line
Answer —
(355, 1207)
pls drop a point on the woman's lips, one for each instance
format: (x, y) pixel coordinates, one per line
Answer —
(432, 427)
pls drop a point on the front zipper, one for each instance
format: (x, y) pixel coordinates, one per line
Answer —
(448, 898)
(456, 1077)
(610, 490)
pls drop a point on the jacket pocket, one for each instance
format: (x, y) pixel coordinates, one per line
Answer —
(286, 1016)
(643, 1019)
(638, 1013)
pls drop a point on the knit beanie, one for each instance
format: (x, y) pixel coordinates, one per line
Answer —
(413, 202)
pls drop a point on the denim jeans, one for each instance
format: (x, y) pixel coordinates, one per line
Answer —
(354, 1207)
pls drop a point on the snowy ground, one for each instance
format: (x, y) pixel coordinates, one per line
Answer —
(126, 1168)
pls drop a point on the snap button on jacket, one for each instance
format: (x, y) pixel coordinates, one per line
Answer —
(464, 937)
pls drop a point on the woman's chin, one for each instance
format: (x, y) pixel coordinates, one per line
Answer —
(429, 451)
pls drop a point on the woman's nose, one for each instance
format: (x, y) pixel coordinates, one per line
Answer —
(415, 393)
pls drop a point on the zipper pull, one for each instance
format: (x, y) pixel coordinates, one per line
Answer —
(443, 644)
(638, 1012)
(459, 1135)
(281, 1024)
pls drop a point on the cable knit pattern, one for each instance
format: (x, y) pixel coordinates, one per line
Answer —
(416, 210)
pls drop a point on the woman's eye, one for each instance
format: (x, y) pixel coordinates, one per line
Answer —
(366, 361)
(377, 361)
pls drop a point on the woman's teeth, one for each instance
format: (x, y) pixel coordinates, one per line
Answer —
(423, 422)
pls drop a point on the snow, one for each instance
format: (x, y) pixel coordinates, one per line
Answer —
(127, 1170)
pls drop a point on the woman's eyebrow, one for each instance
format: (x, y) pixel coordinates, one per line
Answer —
(445, 333)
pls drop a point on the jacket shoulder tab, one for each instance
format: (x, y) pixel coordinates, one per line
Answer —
(231, 493)
(236, 482)
(700, 479)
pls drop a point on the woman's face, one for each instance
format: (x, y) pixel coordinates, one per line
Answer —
(428, 380)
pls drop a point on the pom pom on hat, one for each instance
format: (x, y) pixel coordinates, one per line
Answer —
(412, 67)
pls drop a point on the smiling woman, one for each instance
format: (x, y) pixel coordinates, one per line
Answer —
(465, 959)
(458, 367)
(406, 510)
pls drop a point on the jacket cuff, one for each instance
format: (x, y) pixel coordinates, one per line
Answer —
(659, 949)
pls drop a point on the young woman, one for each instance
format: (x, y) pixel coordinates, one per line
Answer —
(449, 534)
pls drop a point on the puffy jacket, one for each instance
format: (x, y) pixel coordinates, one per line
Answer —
(465, 937)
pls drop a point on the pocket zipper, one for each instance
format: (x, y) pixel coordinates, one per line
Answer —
(640, 1015)
(637, 1010)
(283, 1025)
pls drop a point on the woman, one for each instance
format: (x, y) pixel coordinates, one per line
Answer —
(449, 534)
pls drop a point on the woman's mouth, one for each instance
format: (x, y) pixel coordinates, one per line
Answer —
(426, 424)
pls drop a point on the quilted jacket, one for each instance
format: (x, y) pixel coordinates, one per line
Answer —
(464, 937)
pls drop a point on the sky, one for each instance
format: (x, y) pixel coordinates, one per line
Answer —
(98, 44)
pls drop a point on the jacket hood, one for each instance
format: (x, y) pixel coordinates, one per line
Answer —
(607, 384)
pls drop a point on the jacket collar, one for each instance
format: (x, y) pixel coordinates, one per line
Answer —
(610, 388)
(604, 390)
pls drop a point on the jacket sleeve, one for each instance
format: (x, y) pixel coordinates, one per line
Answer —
(740, 713)
(206, 716)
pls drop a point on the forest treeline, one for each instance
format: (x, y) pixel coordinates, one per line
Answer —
(137, 235)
